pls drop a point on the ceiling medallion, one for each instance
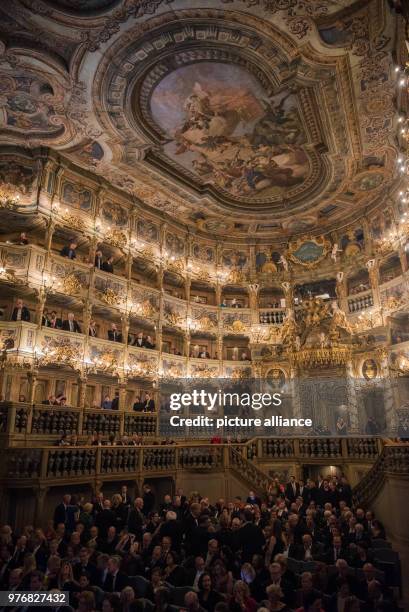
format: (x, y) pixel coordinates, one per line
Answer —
(221, 125)
(308, 251)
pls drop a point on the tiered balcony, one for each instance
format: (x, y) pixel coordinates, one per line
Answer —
(52, 466)
(39, 422)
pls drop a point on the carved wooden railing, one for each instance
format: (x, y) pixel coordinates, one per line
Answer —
(83, 463)
(393, 460)
(247, 470)
(51, 421)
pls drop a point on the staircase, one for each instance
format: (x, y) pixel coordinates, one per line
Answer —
(248, 472)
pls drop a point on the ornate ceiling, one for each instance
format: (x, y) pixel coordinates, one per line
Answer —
(255, 119)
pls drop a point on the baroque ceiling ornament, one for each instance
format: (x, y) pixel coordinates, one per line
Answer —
(245, 117)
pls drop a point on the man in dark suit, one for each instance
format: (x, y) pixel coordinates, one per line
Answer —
(115, 580)
(138, 404)
(108, 266)
(172, 529)
(105, 519)
(292, 490)
(98, 260)
(148, 499)
(70, 324)
(139, 340)
(69, 251)
(251, 538)
(149, 404)
(54, 322)
(61, 512)
(304, 492)
(253, 499)
(336, 551)
(20, 312)
(115, 401)
(136, 519)
(277, 577)
(126, 498)
(113, 334)
(85, 566)
(309, 550)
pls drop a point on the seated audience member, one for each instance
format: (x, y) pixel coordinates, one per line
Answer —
(149, 404)
(20, 312)
(115, 401)
(139, 340)
(98, 260)
(106, 403)
(113, 334)
(235, 303)
(244, 356)
(71, 324)
(138, 404)
(208, 597)
(50, 401)
(92, 330)
(23, 240)
(204, 355)
(108, 265)
(70, 250)
(54, 321)
(45, 319)
(149, 343)
(224, 556)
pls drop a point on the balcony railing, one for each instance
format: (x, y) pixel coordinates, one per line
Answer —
(360, 302)
(82, 462)
(51, 421)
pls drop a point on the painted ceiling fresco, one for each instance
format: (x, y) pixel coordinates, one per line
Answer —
(245, 119)
(224, 127)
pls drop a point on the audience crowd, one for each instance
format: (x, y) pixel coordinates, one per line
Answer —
(300, 547)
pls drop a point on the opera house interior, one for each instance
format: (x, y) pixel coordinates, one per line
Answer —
(211, 194)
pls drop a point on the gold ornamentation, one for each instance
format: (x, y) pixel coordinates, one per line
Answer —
(173, 319)
(204, 372)
(142, 368)
(111, 297)
(205, 323)
(106, 361)
(175, 371)
(393, 303)
(9, 276)
(237, 326)
(116, 238)
(317, 357)
(203, 275)
(240, 373)
(70, 284)
(73, 221)
(65, 354)
(147, 252)
(175, 265)
(289, 329)
(147, 310)
(236, 276)
(8, 200)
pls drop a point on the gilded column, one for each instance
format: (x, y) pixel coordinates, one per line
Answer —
(42, 297)
(372, 266)
(32, 379)
(82, 388)
(288, 294)
(341, 291)
(254, 289)
(352, 399)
